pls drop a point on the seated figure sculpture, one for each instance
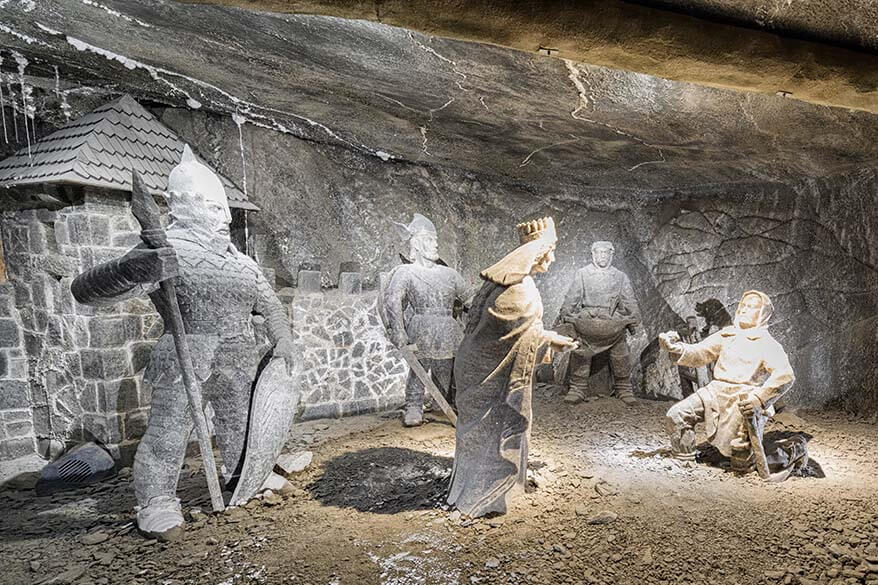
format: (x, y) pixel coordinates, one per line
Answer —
(598, 309)
(494, 371)
(429, 290)
(751, 372)
(218, 290)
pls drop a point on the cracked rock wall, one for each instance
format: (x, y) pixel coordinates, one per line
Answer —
(809, 245)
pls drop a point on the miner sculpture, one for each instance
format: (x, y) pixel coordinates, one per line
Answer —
(751, 372)
(494, 372)
(417, 307)
(599, 310)
(206, 292)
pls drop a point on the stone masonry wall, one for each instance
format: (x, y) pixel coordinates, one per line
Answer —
(351, 365)
(83, 363)
(74, 372)
(16, 420)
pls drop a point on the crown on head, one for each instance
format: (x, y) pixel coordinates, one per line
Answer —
(535, 229)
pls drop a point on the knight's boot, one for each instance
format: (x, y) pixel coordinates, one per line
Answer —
(682, 439)
(161, 519)
(578, 371)
(414, 402)
(414, 415)
(574, 395)
(625, 392)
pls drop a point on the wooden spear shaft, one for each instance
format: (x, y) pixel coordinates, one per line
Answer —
(153, 235)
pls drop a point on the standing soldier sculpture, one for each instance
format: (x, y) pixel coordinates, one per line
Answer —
(751, 372)
(417, 307)
(206, 292)
(598, 309)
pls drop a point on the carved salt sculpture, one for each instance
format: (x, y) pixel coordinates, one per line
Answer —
(598, 309)
(751, 372)
(217, 290)
(417, 307)
(494, 375)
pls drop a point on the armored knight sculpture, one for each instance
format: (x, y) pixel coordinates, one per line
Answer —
(217, 289)
(494, 371)
(418, 303)
(598, 309)
(751, 372)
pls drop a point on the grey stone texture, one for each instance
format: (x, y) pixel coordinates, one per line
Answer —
(847, 22)
(309, 281)
(350, 282)
(68, 368)
(351, 367)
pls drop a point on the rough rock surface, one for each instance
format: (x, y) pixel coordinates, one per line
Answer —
(752, 44)
(368, 510)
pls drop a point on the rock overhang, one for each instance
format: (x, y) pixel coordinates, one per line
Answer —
(396, 94)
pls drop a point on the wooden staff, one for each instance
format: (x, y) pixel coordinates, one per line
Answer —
(144, 208)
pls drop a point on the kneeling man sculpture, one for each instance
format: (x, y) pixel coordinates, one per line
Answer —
(751, 372)
(206, 292)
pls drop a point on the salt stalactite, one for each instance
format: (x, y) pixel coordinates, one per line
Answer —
(57, 82)
(239, 120)
(3, 107)
(25, 92)
(30, 110)
(65, 105)
(14, 105)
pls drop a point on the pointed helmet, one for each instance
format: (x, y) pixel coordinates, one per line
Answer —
(190, 176)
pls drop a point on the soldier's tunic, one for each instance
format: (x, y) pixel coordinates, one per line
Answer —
(217, 292)
(419, 302)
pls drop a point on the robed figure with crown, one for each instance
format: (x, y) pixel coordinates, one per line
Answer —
(494, 368)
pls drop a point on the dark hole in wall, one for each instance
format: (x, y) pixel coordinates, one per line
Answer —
(238, 229)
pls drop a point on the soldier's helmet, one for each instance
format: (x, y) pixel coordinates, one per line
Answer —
(420, 224)
(190, 177)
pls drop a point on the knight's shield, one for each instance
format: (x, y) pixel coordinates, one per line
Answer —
(275, 400)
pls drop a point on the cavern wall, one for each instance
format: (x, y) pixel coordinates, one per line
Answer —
(809, 244)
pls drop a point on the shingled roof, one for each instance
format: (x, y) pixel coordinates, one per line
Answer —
(101, 149)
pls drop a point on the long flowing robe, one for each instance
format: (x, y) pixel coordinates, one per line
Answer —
(494, 374)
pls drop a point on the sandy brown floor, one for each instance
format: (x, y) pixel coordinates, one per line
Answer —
(369, 510)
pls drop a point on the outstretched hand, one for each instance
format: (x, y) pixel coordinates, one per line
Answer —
(670, 341)
(560, 342)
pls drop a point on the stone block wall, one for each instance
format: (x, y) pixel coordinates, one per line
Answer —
(74, 370)
(16, 420)
(351, 367)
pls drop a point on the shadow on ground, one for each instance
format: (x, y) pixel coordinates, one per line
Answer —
(384, 480)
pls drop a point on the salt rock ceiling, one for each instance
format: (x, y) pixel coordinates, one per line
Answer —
(396, 94)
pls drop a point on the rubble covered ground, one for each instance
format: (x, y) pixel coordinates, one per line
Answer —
(605, 505)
